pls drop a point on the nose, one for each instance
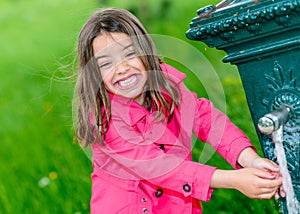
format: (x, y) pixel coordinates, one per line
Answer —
(122, 67)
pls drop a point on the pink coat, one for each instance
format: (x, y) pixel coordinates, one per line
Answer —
(146, 166)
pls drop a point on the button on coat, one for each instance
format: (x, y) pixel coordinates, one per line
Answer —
(158, 193)
(186, 188)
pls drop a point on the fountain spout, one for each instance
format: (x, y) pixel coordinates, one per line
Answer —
(270, 123)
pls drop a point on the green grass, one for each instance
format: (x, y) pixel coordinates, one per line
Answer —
(36, 39)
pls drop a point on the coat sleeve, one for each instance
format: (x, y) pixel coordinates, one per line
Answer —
(214, 127)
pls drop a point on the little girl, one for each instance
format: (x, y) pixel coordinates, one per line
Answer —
(138, 117)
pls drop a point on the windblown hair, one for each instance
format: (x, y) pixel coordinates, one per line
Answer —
(94, 108)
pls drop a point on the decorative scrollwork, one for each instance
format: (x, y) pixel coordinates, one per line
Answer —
(284, 91)
(251, 20)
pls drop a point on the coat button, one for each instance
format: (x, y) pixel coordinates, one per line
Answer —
(145, 210)
(158, 193)
(144, 199)
(186, 188)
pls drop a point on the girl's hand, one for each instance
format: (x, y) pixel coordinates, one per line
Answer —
(249, 158)
(265, 164)
(254, 183)
(270, 166)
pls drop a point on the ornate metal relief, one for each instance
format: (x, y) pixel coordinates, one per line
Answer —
(283, 90)
(251, 20)
(283, 20)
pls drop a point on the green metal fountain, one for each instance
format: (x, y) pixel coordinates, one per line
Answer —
(262, 38)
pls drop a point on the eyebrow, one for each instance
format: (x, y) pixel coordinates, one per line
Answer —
(124, 48)
(100, 57)
(128, 46)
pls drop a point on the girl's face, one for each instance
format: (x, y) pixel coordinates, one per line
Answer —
(121, 68)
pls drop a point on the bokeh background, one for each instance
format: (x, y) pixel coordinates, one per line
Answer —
(41, 169)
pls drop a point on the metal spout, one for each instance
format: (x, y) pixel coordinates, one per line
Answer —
(274, 120)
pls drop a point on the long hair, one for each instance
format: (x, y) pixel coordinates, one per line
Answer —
(94, 108)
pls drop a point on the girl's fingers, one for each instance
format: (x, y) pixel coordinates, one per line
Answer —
(282, 192)
(275, 183)
(270, 165)
(266, 174)
(276, 195)
(265, 164)
(271, 191)
(269, 181)
(267, 193)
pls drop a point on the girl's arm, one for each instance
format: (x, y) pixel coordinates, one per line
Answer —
(254, 183)
(214, 127)
(249, 158)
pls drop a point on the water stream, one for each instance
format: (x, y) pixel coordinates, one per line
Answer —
(293, 206)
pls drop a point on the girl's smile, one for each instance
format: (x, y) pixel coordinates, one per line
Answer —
(121, 68)
(128, 82)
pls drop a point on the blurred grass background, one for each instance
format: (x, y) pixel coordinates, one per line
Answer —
(41, 170)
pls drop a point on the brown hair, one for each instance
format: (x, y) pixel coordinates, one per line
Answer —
(93, 98)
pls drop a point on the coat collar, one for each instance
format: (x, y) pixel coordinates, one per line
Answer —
(127, 109)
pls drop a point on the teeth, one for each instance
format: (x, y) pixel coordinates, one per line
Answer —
(128, 81)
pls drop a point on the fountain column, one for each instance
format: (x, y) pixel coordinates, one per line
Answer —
(262, 38)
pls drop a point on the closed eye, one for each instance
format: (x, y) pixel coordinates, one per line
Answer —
(104, 64)
(131, 54)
